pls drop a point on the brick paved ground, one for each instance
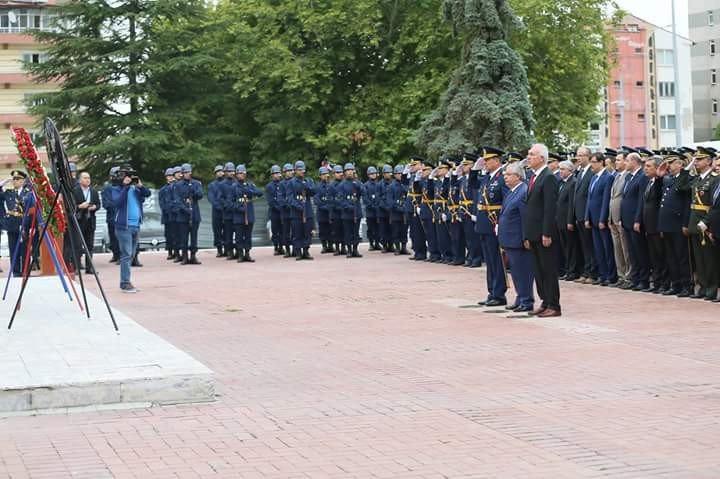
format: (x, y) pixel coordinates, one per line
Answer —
(368, 368)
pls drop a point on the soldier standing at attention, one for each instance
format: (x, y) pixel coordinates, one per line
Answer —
(217, 219)
(225, 190)
(703, 249)
(351, 192)
(300, 191)
(373, 193)
(336, 224)
(286, 211)
(244, 192)
(186, 195)
(323, 204)
(272, 194)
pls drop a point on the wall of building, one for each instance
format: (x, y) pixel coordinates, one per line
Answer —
(704, 23)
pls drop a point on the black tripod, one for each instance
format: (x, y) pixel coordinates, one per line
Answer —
(61, 170)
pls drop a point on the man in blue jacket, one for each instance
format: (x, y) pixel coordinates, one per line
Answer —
(244, 193)
(511, 237)
(631, 217)
(127, 200)
(597, 213)
(272, 194)
(299, 193)
(217, 219)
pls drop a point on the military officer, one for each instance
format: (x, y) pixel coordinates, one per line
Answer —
(225, 191)
(454, 216)
(217, 219)
(703, 250)
(424, 185)
(164, 202)
(244, 193)
(18, 204)
(186, 194)
(373, 216)
(286, 210)
(468, 211)
(323, 204)
(173, 225)
(441, 185)
(399, 209)
(272, 194)
(417, 232)
(300, 191)
(351, 192)
(336, 211)
(487, 180)
(384, 214)
(672, 218)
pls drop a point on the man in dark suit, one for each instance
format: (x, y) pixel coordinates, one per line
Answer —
(648, 225)
(540, 230)
(596, 219)
(712, 222)
(510, 238)
(630, 215)
(583, 176)
(88, 201)
(568, 234)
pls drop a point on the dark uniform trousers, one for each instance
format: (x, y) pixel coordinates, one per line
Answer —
(336, 227)
(474, 246)
(678, 259)
(287, 228)
(442, 230)
(188, 234)
(243, 235)
(658, 263)
(590, 267)
(351, 232)
(373, 229)
(521, 269)
(495, 273)
(325, 230)
(570, 245)
(19, 258)
(639, 256)
(457, 242)
(301, 233)
(428, 226)
(417, 236)
(705, 256)
(545, 261)
(276, 227)
(217, 227)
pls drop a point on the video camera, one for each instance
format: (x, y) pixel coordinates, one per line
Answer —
(127, 170)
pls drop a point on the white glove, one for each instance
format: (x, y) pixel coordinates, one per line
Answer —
(473, 218)
(418, 176)
(702, 226)
(444, 217)
(417, 210)
(459, 218)
(406, 170)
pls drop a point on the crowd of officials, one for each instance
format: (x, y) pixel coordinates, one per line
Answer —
(630, 218)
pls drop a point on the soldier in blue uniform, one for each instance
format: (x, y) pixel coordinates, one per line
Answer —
(300, 192)
(173, 225)
(673, 216)
(490, 186)
(414, 199)
(441, 188)
(224, 198)
(243, 194)
(351, 192)
(17, 202)
(272, 194)
(186, 194)
(217, 219)
(286, 211)
(454, 217)
(383, 212)
(371, 199)
(106, 200)
(323, 203)
(424, 186)
(468, 211)
(164, 202)
(336, 211)
(397, 204)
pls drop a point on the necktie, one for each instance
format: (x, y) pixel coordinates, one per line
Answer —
(716, 195)
(532, 183)
(627, 182)
(592, 183)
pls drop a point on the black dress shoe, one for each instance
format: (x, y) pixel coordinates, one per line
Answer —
(483, 303)
(685, 293)
(649, 290)
(671, 292)
(697, 296)
(641, 287)
(512, 307)
(524, 309)
(496, 302)
(596, 282)
(605, 283)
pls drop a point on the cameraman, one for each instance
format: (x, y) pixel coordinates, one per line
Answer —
(128, 202)
(88, 201)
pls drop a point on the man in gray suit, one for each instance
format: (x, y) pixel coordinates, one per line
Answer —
(620, 240)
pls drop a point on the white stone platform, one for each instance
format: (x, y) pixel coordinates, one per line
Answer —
(54, 357)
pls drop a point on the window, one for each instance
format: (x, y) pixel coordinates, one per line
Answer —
(633, 28)
(666, 88)
(667, 122)
(713, 76)
(714, 107)
(712, 47)
(34, 57)
(664, 57)
(711, 19)
(638, 50)
(654, 133)
(641, 116)
(616, 83)
(639, 83)
(19, 20)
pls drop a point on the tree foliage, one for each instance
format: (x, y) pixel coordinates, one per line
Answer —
(487, 101)
(564, 46)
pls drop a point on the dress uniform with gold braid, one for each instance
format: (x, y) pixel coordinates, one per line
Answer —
(703, 251)
(441, 186)
(414, 200)
(424, 186)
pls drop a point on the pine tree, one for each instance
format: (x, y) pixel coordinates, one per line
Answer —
(117, 68)
(487, 101)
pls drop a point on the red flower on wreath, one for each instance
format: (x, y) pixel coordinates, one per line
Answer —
(37, 174)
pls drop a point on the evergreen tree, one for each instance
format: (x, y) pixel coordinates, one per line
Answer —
(120, 75)
(487, 101)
